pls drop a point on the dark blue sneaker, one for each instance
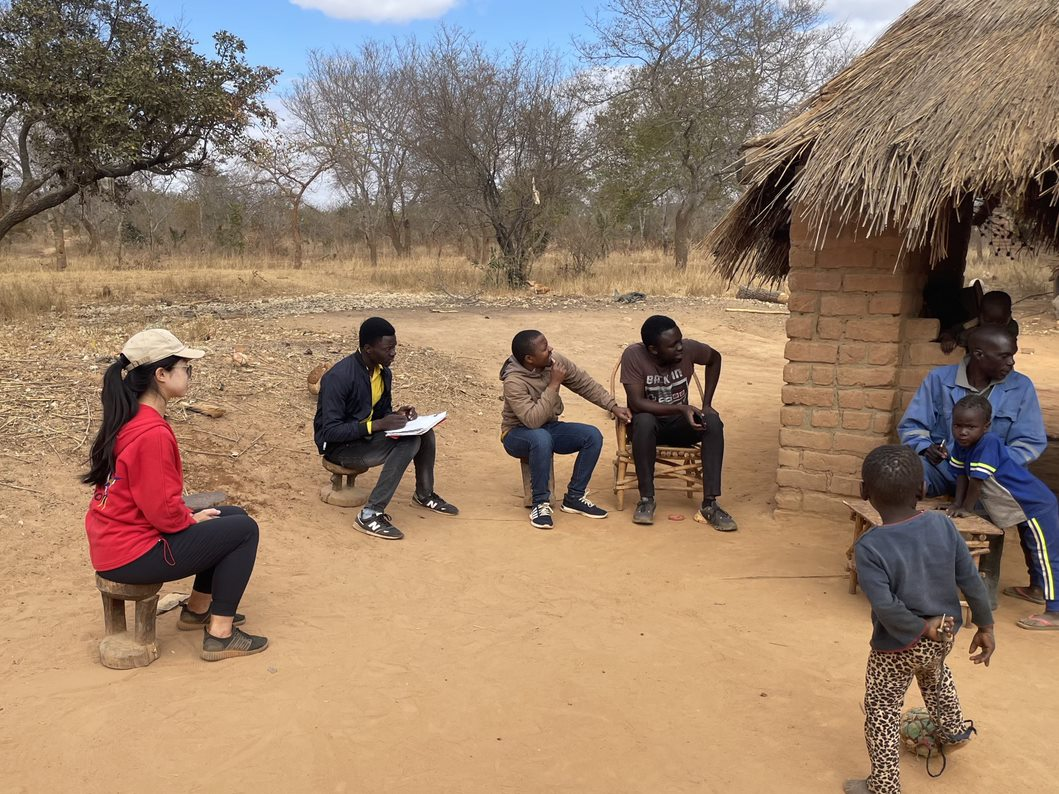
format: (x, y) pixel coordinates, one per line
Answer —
(378, 525)
(582, 506)
(541, 516)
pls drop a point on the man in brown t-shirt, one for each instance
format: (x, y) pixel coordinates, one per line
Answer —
(657, 375)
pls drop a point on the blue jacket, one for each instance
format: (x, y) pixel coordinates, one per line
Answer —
(1017, 415)
(344, 403)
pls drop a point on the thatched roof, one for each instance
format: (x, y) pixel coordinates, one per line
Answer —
(958, 99)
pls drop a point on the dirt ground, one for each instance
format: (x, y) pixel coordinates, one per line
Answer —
(479, 654)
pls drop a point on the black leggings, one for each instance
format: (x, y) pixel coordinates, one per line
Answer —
(219, 552)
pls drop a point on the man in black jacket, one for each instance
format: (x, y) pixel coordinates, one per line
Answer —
(353, 412)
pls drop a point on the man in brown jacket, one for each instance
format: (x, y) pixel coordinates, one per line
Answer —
(531, 428)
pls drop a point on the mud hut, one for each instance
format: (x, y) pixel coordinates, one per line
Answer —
(868, 195)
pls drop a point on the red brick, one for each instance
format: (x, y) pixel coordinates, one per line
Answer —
(873, 282)
(856, 420)
(867, 376)
(890, 303)
(824, 418)
(851, 398)
(801, 326)
(789, 499)
(830, 327)
(921, 329)
(796, 373)
(802, 350)
(823, 375)
(847, 257)
(880, 399)
(807, 480)
(836, 305)
(911, 377)
(850, 442)
(792, 458)
(805, 439)
(828, 461)
(804, 301)
(903, 400)
(823, 504)
(852, 353)
(883, 354)
(845, 486)
(823, 397)
(876, 329)
(792, 416)
(882, 423)
(820, 280)
(929, 354)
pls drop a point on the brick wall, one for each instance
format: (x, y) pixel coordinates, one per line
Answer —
(856, 352)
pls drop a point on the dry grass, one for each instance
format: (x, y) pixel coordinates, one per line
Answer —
(30, 285)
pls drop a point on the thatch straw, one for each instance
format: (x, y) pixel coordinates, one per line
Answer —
(958, 98)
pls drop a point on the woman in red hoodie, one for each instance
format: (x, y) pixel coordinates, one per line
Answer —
(139, 529)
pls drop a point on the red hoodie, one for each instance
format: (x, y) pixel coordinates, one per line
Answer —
(143, 497)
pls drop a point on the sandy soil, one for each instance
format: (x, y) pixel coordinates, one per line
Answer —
(479, 654)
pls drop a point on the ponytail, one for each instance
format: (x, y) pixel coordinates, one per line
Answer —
(121, 402)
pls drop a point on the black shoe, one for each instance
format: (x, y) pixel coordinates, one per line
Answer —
(378, 525)
(718, 518)
(199, 620)
(967, 730)
(239, 644)
(541, 516)
(645, 512)
(435, 504)
(582, 506)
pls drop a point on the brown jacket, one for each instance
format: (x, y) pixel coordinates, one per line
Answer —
(528, 402)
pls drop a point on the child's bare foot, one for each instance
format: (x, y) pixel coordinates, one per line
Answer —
(855, 787)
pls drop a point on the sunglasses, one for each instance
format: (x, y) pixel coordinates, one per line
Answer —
(186, 367)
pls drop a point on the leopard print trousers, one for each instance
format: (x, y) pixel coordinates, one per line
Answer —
(887, 680)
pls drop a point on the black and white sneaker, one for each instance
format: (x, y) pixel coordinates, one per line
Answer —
(582, 506)
(541, 516)
(435, 504)
(377, 524)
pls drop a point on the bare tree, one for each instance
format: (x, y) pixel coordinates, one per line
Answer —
(355, 106)
(685, 82)
(289, 162)
(499, 140)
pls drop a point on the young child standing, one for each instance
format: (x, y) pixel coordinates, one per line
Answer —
(1012, 496)
(910, 568)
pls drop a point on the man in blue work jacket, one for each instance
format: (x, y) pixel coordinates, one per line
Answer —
(988, 370)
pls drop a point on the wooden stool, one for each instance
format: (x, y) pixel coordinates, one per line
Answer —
(121, 649)
(343, 490)
(527, 482)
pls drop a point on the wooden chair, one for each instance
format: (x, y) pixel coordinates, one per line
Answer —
(342, 490)
(676, 468)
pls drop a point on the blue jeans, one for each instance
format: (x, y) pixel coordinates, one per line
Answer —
(940, 479)
(562, 438)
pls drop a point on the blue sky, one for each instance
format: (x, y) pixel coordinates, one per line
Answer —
(280, 32)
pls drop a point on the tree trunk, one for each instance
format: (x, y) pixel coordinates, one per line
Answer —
(57, 223)
(681, 229)
(296, 234)
(94, 243)
(373, 248)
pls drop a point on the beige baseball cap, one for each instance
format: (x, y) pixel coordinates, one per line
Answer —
(153, 345)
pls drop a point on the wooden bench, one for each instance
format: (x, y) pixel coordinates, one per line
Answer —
(982, 537)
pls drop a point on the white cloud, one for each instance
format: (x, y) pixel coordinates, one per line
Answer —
(379, 10)
(867, 19)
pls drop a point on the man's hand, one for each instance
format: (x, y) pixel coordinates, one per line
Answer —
(948, 342)
(984, 642)
(390, 422)
(408, 411)
(938, 626)
(958, 511)
(936, 453)
(624, 414)
(692, 416)
(559, 373)
(205, 515)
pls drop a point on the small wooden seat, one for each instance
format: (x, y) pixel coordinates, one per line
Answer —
(343, 490)
(527, 482)
(982, 537)
(121, 649)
